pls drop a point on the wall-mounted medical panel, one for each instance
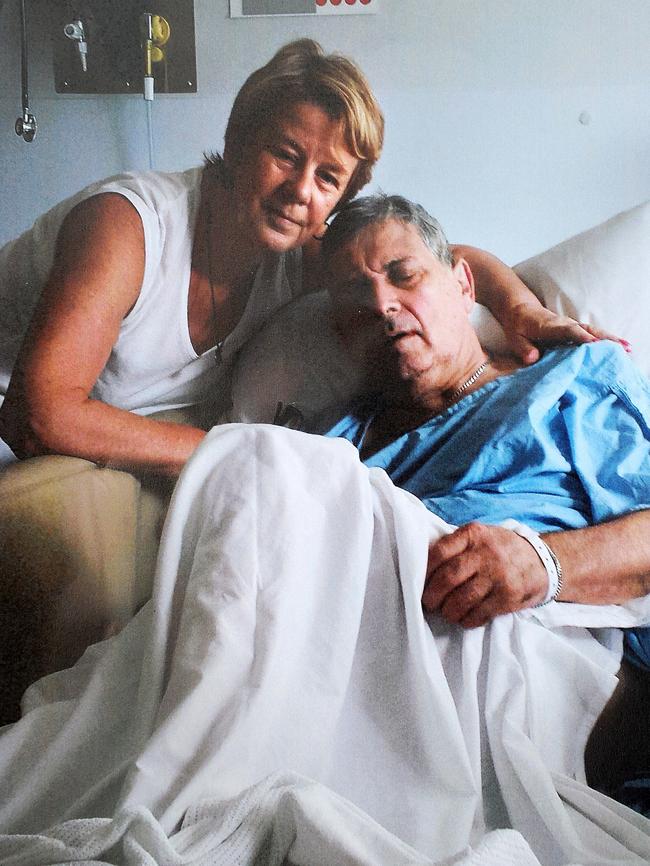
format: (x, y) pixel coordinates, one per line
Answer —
(106, 46)
(255, 8)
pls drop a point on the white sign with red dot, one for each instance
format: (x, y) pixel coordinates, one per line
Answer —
(256, 8)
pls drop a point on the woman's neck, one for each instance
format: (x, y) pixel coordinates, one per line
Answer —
(222, 271)
(228, 258)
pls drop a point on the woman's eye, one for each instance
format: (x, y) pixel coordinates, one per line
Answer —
(329, 179)
(284, 155)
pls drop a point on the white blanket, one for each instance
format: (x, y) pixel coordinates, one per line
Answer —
(282, 698)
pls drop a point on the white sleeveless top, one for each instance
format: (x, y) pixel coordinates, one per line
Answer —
(153, 365)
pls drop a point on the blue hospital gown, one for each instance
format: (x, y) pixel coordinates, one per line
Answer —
(559, 445)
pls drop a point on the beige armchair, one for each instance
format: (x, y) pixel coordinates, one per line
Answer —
(78, 546)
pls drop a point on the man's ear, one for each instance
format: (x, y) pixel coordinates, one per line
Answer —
(465, 279)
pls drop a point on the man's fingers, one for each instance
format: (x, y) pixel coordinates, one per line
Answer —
(446, 578)
(448, 547)
(462, 601)
(483, 613)
(453, 560)
(479, 572)
(449, 565)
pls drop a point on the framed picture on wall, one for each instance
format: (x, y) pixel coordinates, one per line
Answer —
(256, 8)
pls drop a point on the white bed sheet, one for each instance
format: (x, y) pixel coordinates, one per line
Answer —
(284, 674)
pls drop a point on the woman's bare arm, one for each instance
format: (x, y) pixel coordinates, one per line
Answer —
(94, 283)
(524, 319)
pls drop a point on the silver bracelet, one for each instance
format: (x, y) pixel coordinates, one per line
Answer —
(549, 560)
(558, 569)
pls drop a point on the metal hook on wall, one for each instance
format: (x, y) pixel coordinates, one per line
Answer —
(26, 124)
(76, 31)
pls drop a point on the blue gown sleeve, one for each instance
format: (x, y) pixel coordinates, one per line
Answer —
(606, 415)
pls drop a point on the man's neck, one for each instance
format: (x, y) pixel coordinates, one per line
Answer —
(409, 404)
(395, 417)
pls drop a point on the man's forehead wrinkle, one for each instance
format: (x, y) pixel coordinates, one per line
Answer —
(360, 268)
(388, 264)
(399, 260)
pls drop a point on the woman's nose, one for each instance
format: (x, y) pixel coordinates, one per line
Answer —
(299, 185)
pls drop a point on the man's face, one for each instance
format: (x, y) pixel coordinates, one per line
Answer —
(290, 178)
(400, 311)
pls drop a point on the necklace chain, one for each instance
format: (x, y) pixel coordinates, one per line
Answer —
(466, 384)
(250, 278)
(208, 250)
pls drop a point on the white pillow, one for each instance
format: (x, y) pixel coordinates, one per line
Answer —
(601, 276)
(295, 358)
(298, 358)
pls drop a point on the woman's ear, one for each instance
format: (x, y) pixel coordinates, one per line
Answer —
(465, 279)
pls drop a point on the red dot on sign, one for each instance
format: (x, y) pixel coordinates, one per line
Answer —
(365, 2)
(335, 2)
(350, 2)
(321, 2)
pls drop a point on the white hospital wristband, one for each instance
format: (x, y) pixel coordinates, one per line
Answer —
(549, 560)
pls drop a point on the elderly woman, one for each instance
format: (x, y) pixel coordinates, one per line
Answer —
(136, 293)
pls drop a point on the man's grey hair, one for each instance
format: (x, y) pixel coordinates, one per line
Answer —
(356, 215)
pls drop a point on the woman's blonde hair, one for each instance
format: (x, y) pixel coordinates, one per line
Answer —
(302, 72)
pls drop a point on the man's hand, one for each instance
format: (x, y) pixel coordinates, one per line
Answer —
(529, 326)
(479, 572)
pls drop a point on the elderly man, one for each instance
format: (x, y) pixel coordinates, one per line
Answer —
(563, 446)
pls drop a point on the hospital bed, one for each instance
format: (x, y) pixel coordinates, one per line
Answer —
(599, 276)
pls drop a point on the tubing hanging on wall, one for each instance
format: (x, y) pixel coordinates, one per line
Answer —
(25, 125)
(112, 44)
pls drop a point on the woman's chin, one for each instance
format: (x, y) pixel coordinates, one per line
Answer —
(280, 236)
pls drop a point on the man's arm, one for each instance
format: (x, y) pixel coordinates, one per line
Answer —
(95, 282)
(479, 571)
(523, 318)
(605, 564)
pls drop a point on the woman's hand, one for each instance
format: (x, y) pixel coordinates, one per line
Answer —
(526, 322)
(530, 326)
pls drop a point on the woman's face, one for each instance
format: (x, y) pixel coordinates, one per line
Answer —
(289, 179)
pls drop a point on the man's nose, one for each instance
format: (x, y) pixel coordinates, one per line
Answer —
(383, 300)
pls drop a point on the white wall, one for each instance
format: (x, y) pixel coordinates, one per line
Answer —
(482, 100)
